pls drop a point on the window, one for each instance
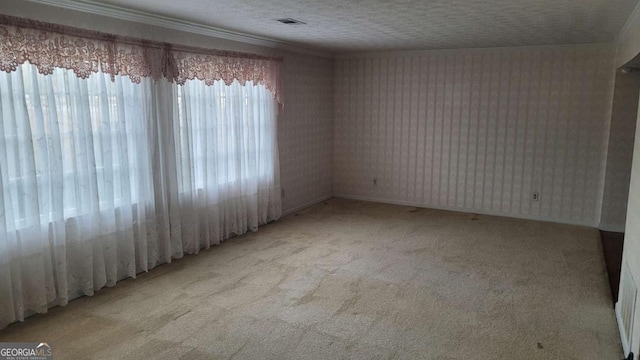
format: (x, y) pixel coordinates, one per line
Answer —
(89, 144)
(226, 134)
(71, 146)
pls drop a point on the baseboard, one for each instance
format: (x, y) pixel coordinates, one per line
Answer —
(468, 210)
(306, 205)
(611, 228)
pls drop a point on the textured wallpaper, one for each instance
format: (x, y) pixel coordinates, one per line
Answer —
(477, 130)
(620, 151)
(305, 131)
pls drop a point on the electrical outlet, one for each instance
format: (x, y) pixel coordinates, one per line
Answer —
(375, 181)
(282, 193)
(535, 196)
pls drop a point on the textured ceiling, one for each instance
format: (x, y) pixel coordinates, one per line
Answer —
(365, 25)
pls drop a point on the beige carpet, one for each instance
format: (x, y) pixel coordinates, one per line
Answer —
(356, 280)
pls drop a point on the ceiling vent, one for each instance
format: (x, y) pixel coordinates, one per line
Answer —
(290, 21)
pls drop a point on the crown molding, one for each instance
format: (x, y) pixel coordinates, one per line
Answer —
(143, 17)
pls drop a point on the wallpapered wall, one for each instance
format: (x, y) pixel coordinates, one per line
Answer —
(620, 151)
(305, 131)
(477, 130)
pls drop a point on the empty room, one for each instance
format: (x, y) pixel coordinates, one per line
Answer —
(204, 179)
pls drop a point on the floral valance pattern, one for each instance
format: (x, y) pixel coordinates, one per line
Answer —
(48, 46)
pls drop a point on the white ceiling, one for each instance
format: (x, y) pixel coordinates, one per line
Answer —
(371, 25)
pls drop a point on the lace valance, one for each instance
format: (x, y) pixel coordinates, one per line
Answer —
(48, 46)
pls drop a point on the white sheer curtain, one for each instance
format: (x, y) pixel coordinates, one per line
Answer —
(102, 179)
(227, 156)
